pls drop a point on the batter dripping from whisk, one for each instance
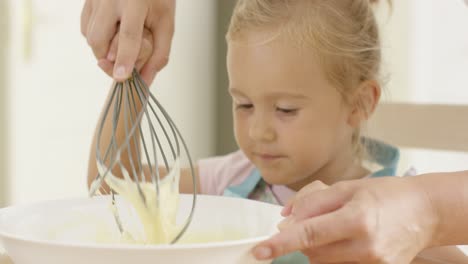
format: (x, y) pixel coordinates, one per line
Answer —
(158, 214)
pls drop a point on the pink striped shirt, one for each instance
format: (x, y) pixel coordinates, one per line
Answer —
(218, 173)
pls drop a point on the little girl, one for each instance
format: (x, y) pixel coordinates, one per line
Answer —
(304, 77)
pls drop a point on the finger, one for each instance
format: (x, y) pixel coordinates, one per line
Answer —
(106, 65)
(85, 16)
(287, 209)
(312, 201)
(112, 54)
(311, 188)
(163, 41)
(308, 234)
(163, 33)
(308, 189)
(320, 202)
(131, 31)
(90, 24)
(146, 49)
(103, 29)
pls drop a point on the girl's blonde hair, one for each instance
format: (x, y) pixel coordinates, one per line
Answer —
(342, 33)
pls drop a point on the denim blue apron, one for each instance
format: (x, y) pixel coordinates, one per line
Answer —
(382, 154)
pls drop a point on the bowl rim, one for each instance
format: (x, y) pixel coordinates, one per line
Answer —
(108, 246)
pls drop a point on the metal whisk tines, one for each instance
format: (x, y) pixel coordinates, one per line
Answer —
(137, 141)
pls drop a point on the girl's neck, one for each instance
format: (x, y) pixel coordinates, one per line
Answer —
(345, 166)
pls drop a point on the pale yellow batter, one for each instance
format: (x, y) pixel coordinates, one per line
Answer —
(158, 215)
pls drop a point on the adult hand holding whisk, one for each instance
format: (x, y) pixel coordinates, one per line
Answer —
(101, 20)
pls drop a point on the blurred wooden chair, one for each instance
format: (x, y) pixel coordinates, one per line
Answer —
(422, 126)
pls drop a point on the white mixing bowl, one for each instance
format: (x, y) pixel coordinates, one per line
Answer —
(83, 231)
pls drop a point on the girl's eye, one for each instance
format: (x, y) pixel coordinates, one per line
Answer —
(289, 111)
(244, 106)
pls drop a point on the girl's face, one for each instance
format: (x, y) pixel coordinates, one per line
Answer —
(289, 120)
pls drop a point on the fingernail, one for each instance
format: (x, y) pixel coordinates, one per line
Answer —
(120, 73)
(286, 210)
(262, 252)
(101, 63)
(111, 56)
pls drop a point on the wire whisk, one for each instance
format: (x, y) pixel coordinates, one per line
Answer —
(138, 155)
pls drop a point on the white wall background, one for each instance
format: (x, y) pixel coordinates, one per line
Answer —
(56, 93)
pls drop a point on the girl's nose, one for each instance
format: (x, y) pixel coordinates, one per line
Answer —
(261, 130)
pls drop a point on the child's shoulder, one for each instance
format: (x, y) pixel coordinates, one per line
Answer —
(217, 173)
(383, 159)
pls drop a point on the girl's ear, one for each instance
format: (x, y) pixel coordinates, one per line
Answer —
(364, 102)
